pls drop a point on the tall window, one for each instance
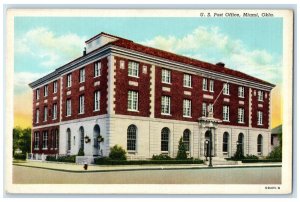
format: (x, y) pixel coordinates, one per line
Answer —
(204, 84)
(69, 80)
(240, 143)
(37, 116)
(186, 139)
(210, 108)
(45, 113)
(165, 105)
(81, 132)
(204, 109)
(132, 102)
(165, 132)
(211, 86)
(187, 107)
(37, 94)
(45, 139)
(225, 142)
(56, 139)
(55, 87)
(82, 75)
(241, 92)
(36, 140)
(69, 107)
(225, 113)
(54, 111)
(97, 101)
(166, 76)
(226, 88)
(259, 118)
(81, 104)
(97, 69)
(133, 69)
(259, 144)
(131, 138)
(45, 90)
(187, 80)
(68, 139)
(241, 115)
(260, 95)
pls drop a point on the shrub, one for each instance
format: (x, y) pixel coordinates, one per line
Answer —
(181, 154)
(117, 153)
(80, 152)
(161, 157)
(20, 156)
(251, 157)
(68, 159)
(238, 154)
(260, 160)
(276, 153)
(108, 161)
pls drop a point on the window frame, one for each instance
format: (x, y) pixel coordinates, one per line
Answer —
(132, 100)
(186, 141)
(133, 69)
(225, 134)
(204, 84)
(131, 138)
(97, 69)
(204, 109)
(187, 80)
(211, 86)
(165, 105)
(37, 116)
(46, 90)
(69, 80)
(37, 94)
(54, 111)
(166, 76)
(55, 86)
(226, 113)
(226, 88)
(241, 115)
(259, 145)
(260, 95)
(165, 132)
(68, 107)
(241, 92)
(259, 118)
(45, 140)
(36, 140)
(81, 104)
(82, 75)
(97, 98)
(45, 113)
(187, 108)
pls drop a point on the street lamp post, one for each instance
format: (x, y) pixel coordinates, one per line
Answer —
(210, 144)
(207, 149)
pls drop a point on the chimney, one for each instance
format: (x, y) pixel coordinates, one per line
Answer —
(84, 51)
(220, 64)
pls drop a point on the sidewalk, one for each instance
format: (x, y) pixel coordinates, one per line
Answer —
(70, 167)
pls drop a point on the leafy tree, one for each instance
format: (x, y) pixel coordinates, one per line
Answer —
(181, 154)
(239, 153)
(80, 152)
(21, 139)
(117, 153)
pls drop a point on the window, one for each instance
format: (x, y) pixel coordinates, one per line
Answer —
(259, 118)
(45, 113)
(37, 94)
(211, 86)
(133, 69)
(36, 140)
(259, 144)
(165, 104)
(186, 139)
(187, 107)
(225, 113)
(260, 95)
(204, 84)
(68, 140)
(133, 97)
(97, 69)
(55, 87)
(45, 139)
(166, 76)
(165, 139)
(210, 108)
(240, 143)
(81, 104)
(56, 139)
(69, 109)
(45, 90)
(97, 101)
(241, 92)
(81, 75)
(81, 132)
(54, 111)
(131, 138)
(37, 116)
(187, 80)
(226, 89)
(241, 112)
(204, 109)
(69, 80)
(225, 142)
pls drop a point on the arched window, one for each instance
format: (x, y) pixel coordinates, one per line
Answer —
(186, 139)
(56, 139)
(240, 143)
(68, 139)
(225, 142)
(259, 144)
(81, 133)
(131, 138)
(96, 134)
(165, 139)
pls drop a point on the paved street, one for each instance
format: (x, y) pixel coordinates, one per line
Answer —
(243, 175)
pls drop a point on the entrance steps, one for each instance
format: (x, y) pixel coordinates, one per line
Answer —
(219, 161)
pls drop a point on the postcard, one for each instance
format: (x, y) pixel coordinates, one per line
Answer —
(149, 101)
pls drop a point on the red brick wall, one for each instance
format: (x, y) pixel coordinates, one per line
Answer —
(122, 87)
(49, 104)
(51, 133)
(88, 92)
(264, 109)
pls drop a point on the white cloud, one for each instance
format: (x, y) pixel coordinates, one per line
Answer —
(22, 79)
(211, 45)
(51, 49)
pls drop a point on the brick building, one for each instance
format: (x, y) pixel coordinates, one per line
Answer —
(145, 99)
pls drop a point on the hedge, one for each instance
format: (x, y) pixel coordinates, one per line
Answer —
(105, 161)
(20, 156)
(260, 160)
(69, 159)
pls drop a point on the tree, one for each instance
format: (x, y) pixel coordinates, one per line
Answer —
(22, 139)
(239, 153)
(181, 154)
(117, 153)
